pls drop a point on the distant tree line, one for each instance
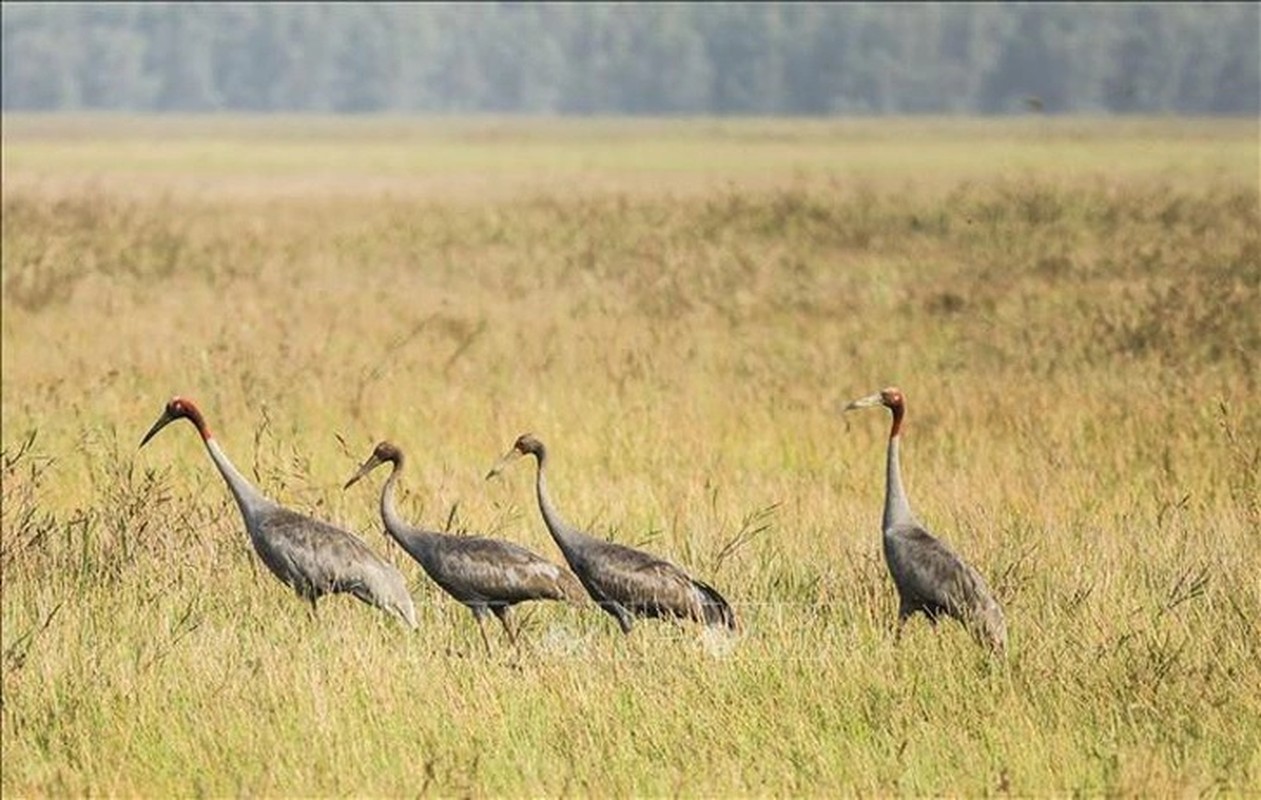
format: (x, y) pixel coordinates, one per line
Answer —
(651, 58)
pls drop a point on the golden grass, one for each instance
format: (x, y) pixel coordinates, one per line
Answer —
(496, 158)
(679, 310)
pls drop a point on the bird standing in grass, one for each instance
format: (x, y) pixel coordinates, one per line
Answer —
(487, 575)
(625, 582)
(930, 577)
(312, 557)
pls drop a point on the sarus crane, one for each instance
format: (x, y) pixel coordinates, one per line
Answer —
(312, 557)
(625, 582)
(486, 575)
(929, 576)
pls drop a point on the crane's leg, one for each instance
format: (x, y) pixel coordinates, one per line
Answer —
(904, 613)
(624, 619)
(502, 613)
(480, 616)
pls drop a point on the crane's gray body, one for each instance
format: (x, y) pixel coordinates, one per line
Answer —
(930, 577)
(486, 575)
(629, 583)
(315, 558)
(626, 582)
(312, 557)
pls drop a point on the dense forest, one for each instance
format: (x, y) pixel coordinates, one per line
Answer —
(659, 59)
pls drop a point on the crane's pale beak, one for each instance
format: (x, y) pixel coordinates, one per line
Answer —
(509, 457)
(369, 465)
(865, 402)
(164, 420)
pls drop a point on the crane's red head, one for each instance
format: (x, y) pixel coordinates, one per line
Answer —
(387, 451)
(525, 444)
(889, 397)
(383, 452)
(178, 408)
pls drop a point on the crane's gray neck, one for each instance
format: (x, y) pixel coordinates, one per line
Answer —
(897, 509)
(248, 498)
(394, 524)
(566, 538)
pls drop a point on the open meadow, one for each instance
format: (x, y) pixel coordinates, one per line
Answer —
(680, 310)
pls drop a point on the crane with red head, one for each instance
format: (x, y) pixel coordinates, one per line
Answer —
(312, 557)
(930, 577)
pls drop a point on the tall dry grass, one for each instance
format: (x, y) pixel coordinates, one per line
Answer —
(1078, 347)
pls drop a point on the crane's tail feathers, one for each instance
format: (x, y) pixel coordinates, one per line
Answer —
(995, 632)
(391, 597)
(988, 626)
(407, 613)
(715, 607)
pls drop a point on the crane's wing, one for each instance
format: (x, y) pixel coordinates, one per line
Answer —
(929, 574)
(651, 587)
(478, 568)
(318, 558)
(715, 607)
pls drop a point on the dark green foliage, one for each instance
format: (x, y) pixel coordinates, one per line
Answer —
(662, 59)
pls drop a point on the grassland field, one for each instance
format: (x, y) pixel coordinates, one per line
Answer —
(679, 309)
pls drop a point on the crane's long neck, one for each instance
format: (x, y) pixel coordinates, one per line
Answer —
(897, 509)
(248, 497)
(566, 538)
(394, 524)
